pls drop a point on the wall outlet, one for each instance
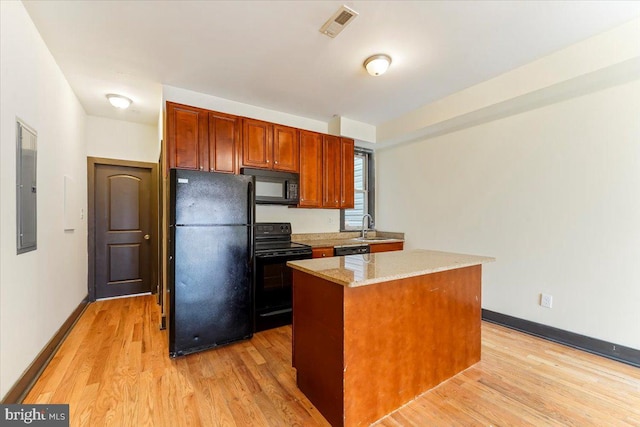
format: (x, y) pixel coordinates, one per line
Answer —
(546, 300)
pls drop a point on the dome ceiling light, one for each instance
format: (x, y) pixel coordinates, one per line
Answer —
(119, 101)
(377, 65)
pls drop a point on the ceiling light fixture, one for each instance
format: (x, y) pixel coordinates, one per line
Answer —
(119, 101)
(377, 65)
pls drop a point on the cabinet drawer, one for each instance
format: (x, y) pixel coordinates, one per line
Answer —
(322, 252)
(386, 247)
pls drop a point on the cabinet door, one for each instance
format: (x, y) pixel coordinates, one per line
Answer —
(286, 156)
(257, 147)
(187, 137)
(346, 183)
(332, 171)
(224, 136)
(310, 169)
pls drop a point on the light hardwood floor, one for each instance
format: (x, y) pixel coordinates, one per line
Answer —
(114, 369)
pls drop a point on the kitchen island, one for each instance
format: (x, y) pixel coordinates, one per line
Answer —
(373, 331)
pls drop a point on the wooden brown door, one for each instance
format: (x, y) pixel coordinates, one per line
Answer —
(123, 230)
(286, 156)
(310, 169)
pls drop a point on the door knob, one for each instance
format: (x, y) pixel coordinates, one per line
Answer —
(146, 237)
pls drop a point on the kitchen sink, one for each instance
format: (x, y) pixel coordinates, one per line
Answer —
(372, 239)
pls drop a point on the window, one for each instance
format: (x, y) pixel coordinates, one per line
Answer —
(351, 219)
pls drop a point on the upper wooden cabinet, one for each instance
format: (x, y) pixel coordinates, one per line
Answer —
(326, 171)
(224, 140)
(257, 144)
(286, 154)
(332, 171)
(269, 146)
(187, 137)
(337, 182)
(200, 139)
(347, 184)
(310, 169)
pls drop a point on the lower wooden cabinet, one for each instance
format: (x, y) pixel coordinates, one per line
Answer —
(327, 251)
(387, 247)
(322, 252)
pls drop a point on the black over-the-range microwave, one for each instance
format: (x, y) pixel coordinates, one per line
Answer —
(274, 187)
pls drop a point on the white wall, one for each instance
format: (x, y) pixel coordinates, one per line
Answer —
(612, 56)
(302, 220)
(117, 139)
(553, 194)
(222, 105)
(39, 289)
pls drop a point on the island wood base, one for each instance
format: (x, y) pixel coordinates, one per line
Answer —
(362, 352)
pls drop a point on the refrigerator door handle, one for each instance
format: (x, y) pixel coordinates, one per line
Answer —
(251, 218)
(251, 204)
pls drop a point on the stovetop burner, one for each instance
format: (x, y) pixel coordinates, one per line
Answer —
(279, 245)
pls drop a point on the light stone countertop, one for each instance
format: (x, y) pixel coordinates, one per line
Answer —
(348, 238)
(368, 269)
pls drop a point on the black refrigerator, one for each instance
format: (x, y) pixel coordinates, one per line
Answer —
(211, 221)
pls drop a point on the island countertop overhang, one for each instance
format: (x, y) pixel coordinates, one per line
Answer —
(368, 269)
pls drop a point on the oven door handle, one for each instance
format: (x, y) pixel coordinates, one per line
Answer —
(283, 255)
(275, 313)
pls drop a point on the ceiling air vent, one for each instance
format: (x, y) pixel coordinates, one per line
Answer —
(338, 21)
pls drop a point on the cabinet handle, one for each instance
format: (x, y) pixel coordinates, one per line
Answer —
(324, 255)
(201, 167)
(211, 169)
(276, 162)
(267, 161)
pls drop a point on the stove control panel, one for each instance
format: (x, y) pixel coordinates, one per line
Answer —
(273, 229)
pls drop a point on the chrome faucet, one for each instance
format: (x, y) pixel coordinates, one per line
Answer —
(364, 230)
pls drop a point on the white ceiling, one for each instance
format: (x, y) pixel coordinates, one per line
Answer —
(271, 53)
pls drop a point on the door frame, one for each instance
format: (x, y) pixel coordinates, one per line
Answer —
(92, 163)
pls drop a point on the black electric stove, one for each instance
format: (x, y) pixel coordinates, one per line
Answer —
(274, 238)
(273, 279)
